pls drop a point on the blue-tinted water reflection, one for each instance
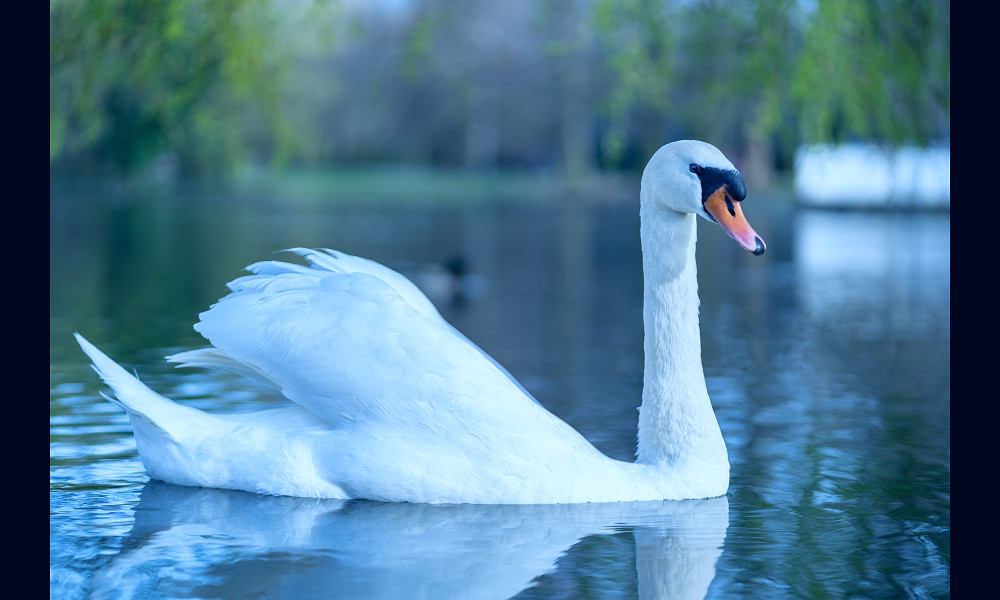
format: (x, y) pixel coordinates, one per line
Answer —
(827, 360)
(219, 543)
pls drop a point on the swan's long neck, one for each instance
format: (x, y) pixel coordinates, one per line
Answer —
(677, 426)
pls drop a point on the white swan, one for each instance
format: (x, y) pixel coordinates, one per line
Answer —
(394, 404)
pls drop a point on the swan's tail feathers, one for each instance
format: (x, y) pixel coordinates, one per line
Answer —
(214, 358)
(144, 406)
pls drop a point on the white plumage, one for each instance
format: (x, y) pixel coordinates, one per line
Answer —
(394, 404)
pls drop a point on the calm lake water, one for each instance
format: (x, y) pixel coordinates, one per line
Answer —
(827, 360)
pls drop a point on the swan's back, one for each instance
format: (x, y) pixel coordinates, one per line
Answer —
(409, 403)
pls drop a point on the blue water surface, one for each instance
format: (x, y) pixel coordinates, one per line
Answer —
(827, 360)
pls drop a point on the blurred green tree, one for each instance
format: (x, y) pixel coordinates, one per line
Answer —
(752, 74)
(130, 80)
(875, 70)
(641, 44)
(557, 84)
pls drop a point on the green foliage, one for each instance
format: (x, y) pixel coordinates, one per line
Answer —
(215, 83)
(641, 46)
(875, 69)
(130, 80)
(785, 69)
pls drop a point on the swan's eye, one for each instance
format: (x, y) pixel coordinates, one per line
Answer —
(695, 168)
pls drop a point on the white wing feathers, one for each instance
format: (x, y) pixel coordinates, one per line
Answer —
(216, 359)
(352, 340)
(338, 262)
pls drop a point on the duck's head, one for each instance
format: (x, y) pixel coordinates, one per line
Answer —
(689, 176)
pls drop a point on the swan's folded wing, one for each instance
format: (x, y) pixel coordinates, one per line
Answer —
(339, 262)
(348, 347)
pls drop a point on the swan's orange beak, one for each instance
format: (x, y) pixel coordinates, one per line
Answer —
(729, 215)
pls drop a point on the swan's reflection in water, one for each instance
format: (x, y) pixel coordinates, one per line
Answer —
(222, 544)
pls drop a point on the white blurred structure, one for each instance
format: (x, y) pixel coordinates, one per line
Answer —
(865, 175)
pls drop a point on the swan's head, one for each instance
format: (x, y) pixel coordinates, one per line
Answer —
(689, 176)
